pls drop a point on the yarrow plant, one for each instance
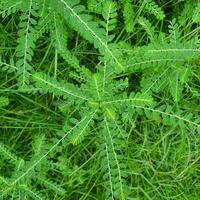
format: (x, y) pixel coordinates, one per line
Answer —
(99, 99)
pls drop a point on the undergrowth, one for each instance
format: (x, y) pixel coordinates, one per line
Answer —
(99, 99)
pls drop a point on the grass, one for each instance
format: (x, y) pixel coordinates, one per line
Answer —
(158, 148)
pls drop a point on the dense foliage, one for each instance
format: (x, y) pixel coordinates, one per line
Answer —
(99, 99)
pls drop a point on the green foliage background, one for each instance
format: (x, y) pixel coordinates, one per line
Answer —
(99, 99)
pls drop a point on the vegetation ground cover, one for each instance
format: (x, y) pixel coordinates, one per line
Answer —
(100, 99)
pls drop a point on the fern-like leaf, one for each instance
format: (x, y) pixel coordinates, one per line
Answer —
(26, 42)
(84, 129)
(5, 151)
(59, 37)
(89, 29)
(112, 163)
(95, 5)
(33, 193)
(154, 9)
(148, 27)
(51, 185)
(8, 7)
(174, 31)
(109, 12)
(170, 118)
(129, 15)
(49, 84)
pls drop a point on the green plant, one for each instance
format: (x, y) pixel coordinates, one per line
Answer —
(99, 106)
